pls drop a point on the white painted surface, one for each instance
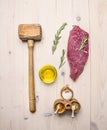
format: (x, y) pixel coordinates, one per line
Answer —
(91, 87)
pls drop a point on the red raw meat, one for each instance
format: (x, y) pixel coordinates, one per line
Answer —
(77, 57)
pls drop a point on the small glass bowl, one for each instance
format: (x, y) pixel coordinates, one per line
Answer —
(48, 74)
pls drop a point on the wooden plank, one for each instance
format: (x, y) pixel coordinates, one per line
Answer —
(98, 26)
(14, 111)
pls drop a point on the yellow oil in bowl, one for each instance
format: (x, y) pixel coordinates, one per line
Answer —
(48, 74)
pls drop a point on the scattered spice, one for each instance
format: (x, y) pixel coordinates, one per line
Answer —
(78, 18)
(63, 73)
(57, 37)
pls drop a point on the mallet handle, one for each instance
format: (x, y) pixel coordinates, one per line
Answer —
(32, 104)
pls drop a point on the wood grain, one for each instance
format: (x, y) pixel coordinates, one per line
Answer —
(90, 89)
(98, 29)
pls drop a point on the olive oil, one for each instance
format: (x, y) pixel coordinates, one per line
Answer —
(48, 73)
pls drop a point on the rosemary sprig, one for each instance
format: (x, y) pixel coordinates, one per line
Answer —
(84, 41)
(62, 62)
(57, 37)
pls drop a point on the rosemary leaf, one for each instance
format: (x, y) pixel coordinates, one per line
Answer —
(57, 37)
(62, 62)
(84, 41)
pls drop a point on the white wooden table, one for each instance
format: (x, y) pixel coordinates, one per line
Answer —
(91, 87)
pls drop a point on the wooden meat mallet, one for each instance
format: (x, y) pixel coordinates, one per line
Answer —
(30, 33)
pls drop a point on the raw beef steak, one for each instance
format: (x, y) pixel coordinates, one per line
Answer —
(77, 51)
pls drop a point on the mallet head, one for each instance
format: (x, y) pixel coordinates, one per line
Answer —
(30, 32)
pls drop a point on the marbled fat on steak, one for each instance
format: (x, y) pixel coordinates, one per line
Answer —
(77, 51)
